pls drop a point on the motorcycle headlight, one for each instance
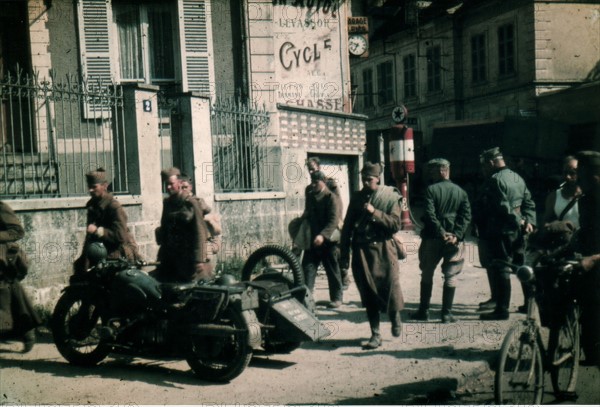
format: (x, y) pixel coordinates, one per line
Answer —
(525, 273)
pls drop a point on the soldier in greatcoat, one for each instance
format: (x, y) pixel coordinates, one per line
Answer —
(503, 213)
(182, 236)
(106, 222)
(372, 218)
(17, 315)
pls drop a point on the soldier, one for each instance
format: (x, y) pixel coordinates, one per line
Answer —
(373, 217)
(321, 212)
(447, 217)
(589, 246)
(17, 315)
(106, 222)
(503, 214)
(314, 164)
(182, 235)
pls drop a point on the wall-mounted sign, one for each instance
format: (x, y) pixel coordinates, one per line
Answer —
(358, 36)
(147, 105)
(308, 59)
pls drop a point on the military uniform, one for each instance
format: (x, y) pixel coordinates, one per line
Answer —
(322, 212)
(110, 219)
(447, 212)
(182, 237)
(502, 208)
(375, 265)
(17, 315)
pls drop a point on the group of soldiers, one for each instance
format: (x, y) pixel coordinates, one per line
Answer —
(185, 253)
(501, 217)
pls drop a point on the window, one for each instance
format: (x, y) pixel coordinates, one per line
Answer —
(478, 63)
(385, 82)
(146, 41)
(410, 76)
(367, 77)
(506, 50)
(434, 69)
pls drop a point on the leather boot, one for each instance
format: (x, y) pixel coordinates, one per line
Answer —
(492, 280)
(503, 296)
(375, 340)
(447, 301)
(28, 341)
(396, 321)
(423, 313)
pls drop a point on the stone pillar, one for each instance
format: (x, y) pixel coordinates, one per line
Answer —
(196, 133)
(142, 142)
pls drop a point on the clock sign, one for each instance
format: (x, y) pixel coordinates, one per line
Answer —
(357, 44)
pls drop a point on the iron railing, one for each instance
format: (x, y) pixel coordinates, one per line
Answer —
(53, 132)
(240, 147)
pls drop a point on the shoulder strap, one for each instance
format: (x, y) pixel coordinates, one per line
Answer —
(571, 203)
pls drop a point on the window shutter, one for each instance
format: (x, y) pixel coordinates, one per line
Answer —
(94, 17)
(195, 30)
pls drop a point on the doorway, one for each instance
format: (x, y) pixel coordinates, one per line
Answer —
(342, 169)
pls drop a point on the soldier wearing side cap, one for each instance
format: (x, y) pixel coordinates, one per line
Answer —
(372, 218)
(503, 214)
(321, 211)
(314, 164)
(447, 217)
(106, 222)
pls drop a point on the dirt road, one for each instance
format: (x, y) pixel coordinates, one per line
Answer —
(429, 363)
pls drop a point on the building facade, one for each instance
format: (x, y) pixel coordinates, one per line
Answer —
(238, 94)
(472, 75)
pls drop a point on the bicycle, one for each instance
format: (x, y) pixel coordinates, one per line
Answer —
(523, 358)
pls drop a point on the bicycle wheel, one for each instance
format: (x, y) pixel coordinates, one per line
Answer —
(563, 350)
(519, 373)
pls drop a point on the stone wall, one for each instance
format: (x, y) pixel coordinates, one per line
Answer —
(54, 239)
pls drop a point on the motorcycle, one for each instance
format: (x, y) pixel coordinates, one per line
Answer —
(115, 307)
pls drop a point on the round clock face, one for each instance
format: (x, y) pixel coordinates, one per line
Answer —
(357, 45)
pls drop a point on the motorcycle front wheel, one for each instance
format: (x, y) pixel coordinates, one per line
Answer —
(76, 324)
(223, 357)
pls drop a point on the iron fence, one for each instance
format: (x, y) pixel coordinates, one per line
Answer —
(240, 147)
(53, 132)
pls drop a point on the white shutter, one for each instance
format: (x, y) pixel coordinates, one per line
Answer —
(94, 18)
(196, 45)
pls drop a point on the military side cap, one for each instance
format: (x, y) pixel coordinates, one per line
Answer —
(97, 176)
(438, 162)
(169, 172)
(371, 170)
(490, 154)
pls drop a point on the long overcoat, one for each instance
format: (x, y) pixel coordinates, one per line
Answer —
(375, 265)
(17, 314)
(108, 213)
(183, 236)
